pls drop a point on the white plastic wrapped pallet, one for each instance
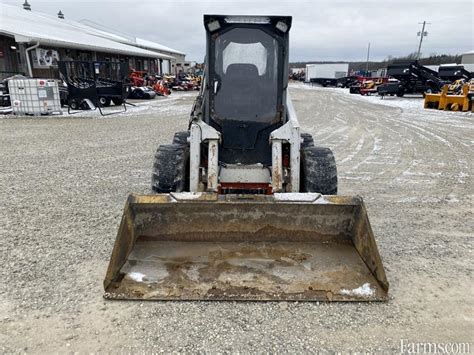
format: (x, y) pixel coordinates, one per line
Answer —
(34, 96)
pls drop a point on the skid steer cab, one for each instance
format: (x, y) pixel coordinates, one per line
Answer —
(245, 205)
(244, 136)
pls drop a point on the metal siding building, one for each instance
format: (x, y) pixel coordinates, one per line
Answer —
(467, 60)
(31, 43)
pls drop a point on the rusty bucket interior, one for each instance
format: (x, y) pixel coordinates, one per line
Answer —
(291, 247)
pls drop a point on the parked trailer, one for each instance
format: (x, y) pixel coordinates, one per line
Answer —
(413, 78)
(453, 72)
(326, 74)
(94, 84)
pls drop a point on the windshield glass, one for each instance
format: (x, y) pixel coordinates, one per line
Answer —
(246, 87)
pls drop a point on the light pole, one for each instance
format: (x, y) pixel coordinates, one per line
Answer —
(367, 64)
(421, 34)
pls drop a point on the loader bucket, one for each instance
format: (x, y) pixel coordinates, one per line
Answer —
(203, 246)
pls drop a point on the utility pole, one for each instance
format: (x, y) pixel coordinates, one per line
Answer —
(367, 65)
(421, 34)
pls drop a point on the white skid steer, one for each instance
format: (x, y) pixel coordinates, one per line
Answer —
(245, 205)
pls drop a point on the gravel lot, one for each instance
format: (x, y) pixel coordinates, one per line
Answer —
(63, 186)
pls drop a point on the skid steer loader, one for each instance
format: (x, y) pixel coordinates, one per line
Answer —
(246, 205)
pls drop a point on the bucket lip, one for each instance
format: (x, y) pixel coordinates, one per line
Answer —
(211, 197)
(110, 294)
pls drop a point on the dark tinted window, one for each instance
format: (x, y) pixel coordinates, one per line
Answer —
(246, 84)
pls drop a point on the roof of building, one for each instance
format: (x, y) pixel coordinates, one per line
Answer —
(470, 52)
(128, 39)
(30, 27)
(153, 45)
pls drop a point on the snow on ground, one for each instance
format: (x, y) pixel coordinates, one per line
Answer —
(136, 276)
(363, 291)
(407, 102)
(159, 104)
(175, 104)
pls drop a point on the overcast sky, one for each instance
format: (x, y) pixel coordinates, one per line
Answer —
(322, 30)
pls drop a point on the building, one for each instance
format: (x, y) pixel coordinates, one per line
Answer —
(174, 66)
(467, 60)
(32, 43)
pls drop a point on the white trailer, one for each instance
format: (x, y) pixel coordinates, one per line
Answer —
(326, 71)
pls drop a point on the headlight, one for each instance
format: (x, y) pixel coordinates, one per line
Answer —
(213, 25)
(283, 27)
(248, 19)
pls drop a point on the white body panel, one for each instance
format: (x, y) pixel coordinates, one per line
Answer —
(244, 174)
(201, 132)
(290, 133)
(277, 167)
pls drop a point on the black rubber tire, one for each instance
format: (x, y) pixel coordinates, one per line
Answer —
(181, 137)
(84, 105)
(171, 169)
(117, 102)
(318, 171)
(308, 140)
(139, 94)
(104, 101)
(74, 105)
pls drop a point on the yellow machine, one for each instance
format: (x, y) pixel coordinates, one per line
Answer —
(436, 101)
(471, 93)
(370, 84)
(454, 97)
(456, 87)
(458, 102)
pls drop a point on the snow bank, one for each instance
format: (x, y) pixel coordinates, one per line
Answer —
(159, 104)
(410, 103)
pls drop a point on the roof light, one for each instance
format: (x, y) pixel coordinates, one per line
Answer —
(213, 25)
(283, 27)
(248, 19)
